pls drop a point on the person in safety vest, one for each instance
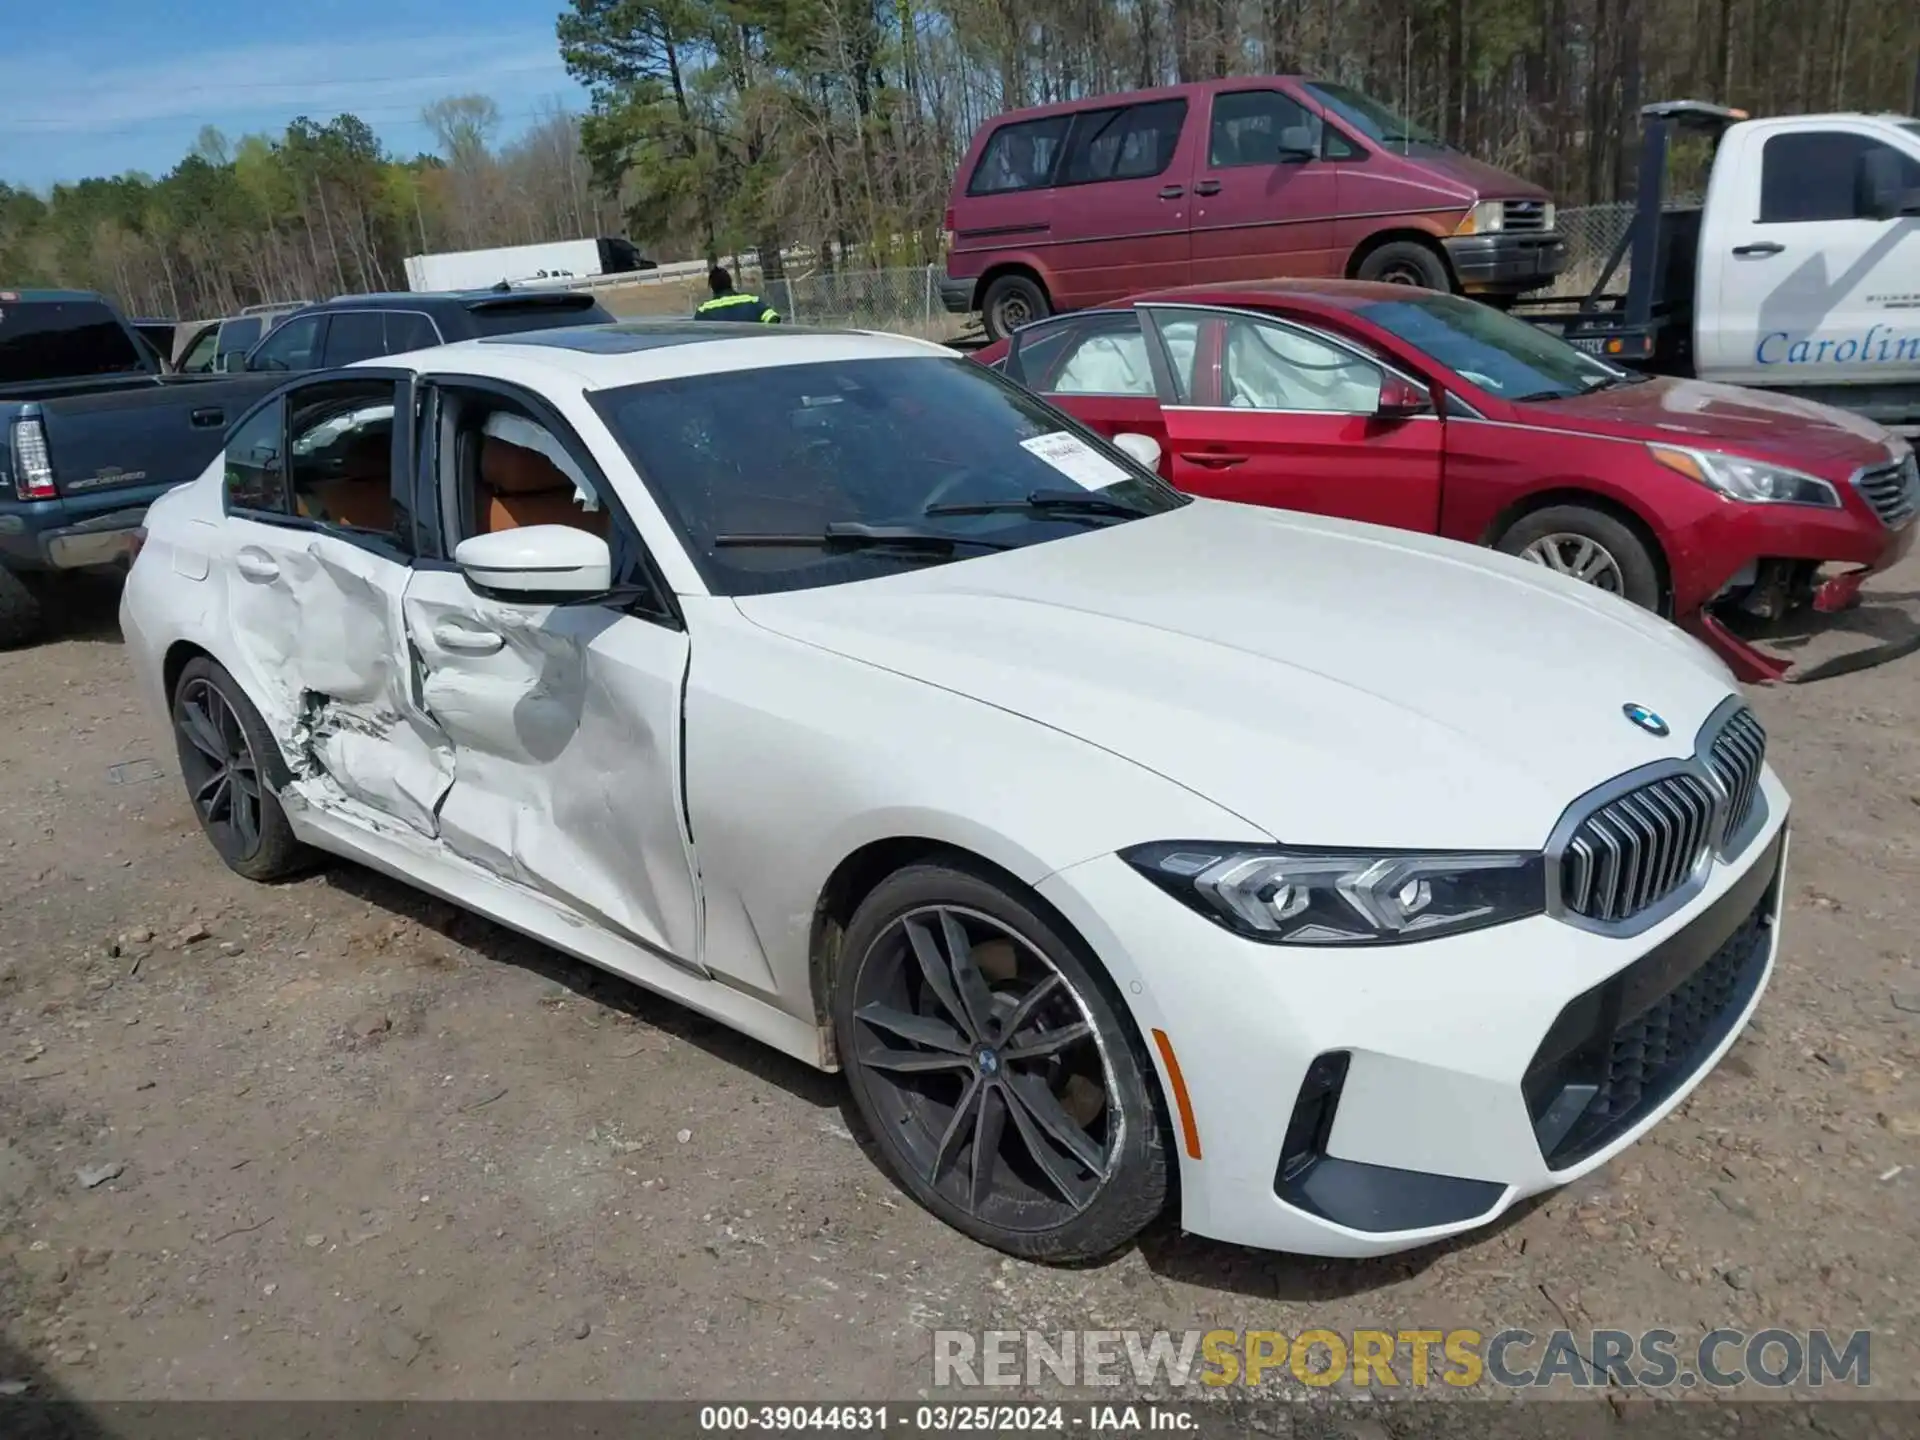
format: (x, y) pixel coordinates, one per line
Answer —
(731, 304)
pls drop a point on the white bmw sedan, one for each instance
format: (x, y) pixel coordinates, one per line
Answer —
(1348, 884)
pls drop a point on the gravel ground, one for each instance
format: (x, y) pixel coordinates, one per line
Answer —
(331, 1138)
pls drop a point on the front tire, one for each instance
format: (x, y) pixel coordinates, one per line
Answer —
(1406, 262)
(225, 750)
(1588, 545)
(21, 617)
(1012, 301)
(1002, 1085)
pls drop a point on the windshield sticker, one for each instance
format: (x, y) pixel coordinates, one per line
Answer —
(1075, 459)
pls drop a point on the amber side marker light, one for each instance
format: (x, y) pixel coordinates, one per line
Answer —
(1189, 1132)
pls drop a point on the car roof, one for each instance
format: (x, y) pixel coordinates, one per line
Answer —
(1328, 294)
(634, 352)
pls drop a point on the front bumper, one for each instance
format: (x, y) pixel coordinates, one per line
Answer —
(957, 295)
(1466, 1073)
(1705, 559)
(1505, 264)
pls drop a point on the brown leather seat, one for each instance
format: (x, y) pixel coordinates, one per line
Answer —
(521, 487)
(362, 494)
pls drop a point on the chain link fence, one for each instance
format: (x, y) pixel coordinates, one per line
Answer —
(907, 301)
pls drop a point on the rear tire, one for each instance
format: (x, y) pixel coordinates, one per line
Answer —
(1588, 545)
(228, 758)
(1011, 301)
(1406, 262)
(962, 1013)
(21, 617)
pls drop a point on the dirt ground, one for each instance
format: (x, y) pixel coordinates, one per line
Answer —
(359, 1144)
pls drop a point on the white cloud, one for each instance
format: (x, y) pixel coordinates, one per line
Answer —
(385, 82)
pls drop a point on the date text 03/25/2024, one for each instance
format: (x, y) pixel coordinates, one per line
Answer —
(969, 1419)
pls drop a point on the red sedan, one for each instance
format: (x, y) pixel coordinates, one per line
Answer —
(1424, 411)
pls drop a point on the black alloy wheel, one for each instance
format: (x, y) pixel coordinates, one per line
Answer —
(1002, 1087)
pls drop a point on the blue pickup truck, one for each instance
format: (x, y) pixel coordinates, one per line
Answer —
(91, 431)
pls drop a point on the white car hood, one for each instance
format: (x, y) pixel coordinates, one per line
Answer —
(1330, 683)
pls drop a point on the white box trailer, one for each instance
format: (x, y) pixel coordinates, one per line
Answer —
(556, 260)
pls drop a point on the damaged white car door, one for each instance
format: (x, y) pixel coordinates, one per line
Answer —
(319, 559)
(564, 719)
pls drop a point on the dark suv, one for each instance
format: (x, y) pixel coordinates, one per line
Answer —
(364, 327)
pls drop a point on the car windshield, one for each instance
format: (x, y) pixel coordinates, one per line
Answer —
(799, 476)
(1374, 120)
(1499, 354)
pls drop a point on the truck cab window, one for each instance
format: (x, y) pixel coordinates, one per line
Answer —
(1815, 175)
(42, 339)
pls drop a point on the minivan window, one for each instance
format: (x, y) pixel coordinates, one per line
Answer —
(62, 339)
(1135, 142)
(291, 347)
(354, 335)
(774, 477)
(1020, 157)
(1261, 127)
(1373, 119)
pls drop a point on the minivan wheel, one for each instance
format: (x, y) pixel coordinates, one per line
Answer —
(1012, 301)
(1590, 546)
(223, 744)
(1001, 1085)
(1406, 262)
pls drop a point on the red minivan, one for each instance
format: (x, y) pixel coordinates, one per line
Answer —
(1066, 206)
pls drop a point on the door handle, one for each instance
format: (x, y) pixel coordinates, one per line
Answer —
(208, 416)
(1171, 192)
(1760, 247)
(462, 641)
(1207, 187)
(256, 565)
(1212, 459)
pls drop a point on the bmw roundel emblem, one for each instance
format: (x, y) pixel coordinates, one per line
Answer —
(1646, 719)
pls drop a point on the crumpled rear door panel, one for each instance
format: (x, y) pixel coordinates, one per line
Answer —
(319, 623)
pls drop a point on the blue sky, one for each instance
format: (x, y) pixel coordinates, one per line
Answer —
(97, 87)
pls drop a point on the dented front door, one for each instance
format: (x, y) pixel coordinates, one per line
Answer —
(565, 726)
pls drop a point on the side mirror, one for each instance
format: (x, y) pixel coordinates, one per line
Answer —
(1882, 196)
(1401, 399)
(1143, 448)
(536, 564)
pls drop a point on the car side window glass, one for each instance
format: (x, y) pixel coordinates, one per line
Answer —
(1020, 157)
(237, 337)
(1180, 337)
(1275, 367)
(1260, 127)
(1335, 146)
(1105, 359)
(200, 354)
(1135, 142)
(409, 330)
(291, 347)
(340, 455)
(355, 335)
(256, 471)
(1816, 175)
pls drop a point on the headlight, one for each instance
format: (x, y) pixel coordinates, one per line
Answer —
(1326, 897)
(1547, 216)
(1486, 218)
(1751, 480)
